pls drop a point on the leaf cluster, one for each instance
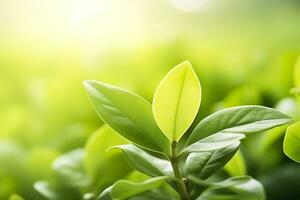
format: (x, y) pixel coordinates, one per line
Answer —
(164, 150)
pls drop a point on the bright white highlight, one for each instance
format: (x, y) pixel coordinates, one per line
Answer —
(81, 11)
(189, 5)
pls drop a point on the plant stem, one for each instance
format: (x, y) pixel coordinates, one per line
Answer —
(180, 183)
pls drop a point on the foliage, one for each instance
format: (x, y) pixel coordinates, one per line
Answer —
(49, 47)
(156, 132)
(80, 172)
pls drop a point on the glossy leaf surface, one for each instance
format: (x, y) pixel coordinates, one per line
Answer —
(128, 114)
(125, 189)
(202, 165)
(145, 162)
(214, 142)
(241, 119)
(177, 100)
(237, 188)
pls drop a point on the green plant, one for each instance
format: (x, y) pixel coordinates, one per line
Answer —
(80, 174)
(166, 151)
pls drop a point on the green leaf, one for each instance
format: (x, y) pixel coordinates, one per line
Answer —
(200, 166)
(128, 114)
(145, 162)
(156, 194)
(177, 101)
(15, 197)
(236, 188)
(241, 119)
(70, 168)
(124, 189)
(214, 142)
(105, 167)
(291, 144)
(164, 192)
(236, 166)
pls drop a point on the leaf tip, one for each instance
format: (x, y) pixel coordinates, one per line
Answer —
(186, 65)
(88, 84)
(93, 86)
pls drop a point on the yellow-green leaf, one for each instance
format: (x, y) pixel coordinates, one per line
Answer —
(291, 144)
(177, 100)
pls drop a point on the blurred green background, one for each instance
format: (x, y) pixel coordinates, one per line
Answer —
(244, 52)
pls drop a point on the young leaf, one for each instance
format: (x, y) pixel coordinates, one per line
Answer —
(236, 166)
(241, 119)
(177, 101)
(214, 142)
(128, 114)
(200, 166)
(123, 189)
(236, 188)
(291, 144)
(144, 162)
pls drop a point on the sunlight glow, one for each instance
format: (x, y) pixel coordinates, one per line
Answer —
(189, 5)
(81, 11)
